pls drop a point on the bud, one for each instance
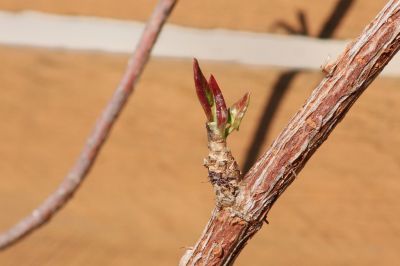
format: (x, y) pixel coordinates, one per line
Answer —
(236, 113)
(203, 90)
(221, 112)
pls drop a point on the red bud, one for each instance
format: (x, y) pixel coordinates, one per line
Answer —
(220, 106)
(202, 89)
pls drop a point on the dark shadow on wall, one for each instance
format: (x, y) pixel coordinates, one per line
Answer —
(330, 25)
(302, 30)
(285, 80)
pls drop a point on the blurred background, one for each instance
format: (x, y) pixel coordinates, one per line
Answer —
(147, 197)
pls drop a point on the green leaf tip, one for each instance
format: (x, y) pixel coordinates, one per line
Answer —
(237, 112)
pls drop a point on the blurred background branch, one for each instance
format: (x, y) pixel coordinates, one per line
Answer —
(101, 131)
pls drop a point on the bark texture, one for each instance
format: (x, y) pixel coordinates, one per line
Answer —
(223, 171)
(229, 229)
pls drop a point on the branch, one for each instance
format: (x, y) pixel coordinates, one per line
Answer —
(102, 129)
(231, 227)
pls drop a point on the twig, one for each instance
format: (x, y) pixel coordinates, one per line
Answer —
(230, 228)
(102, 129)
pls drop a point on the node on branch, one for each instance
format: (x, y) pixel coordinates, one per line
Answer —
(223, 171)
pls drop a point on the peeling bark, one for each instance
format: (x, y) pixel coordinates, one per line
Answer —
(223, 171)
(229, 228)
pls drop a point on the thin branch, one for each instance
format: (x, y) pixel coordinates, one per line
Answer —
(101, 131)
(229, 228)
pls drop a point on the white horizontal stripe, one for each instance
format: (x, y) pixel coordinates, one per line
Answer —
(110, 35)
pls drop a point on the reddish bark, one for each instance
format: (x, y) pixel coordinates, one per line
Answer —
(231, 227)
